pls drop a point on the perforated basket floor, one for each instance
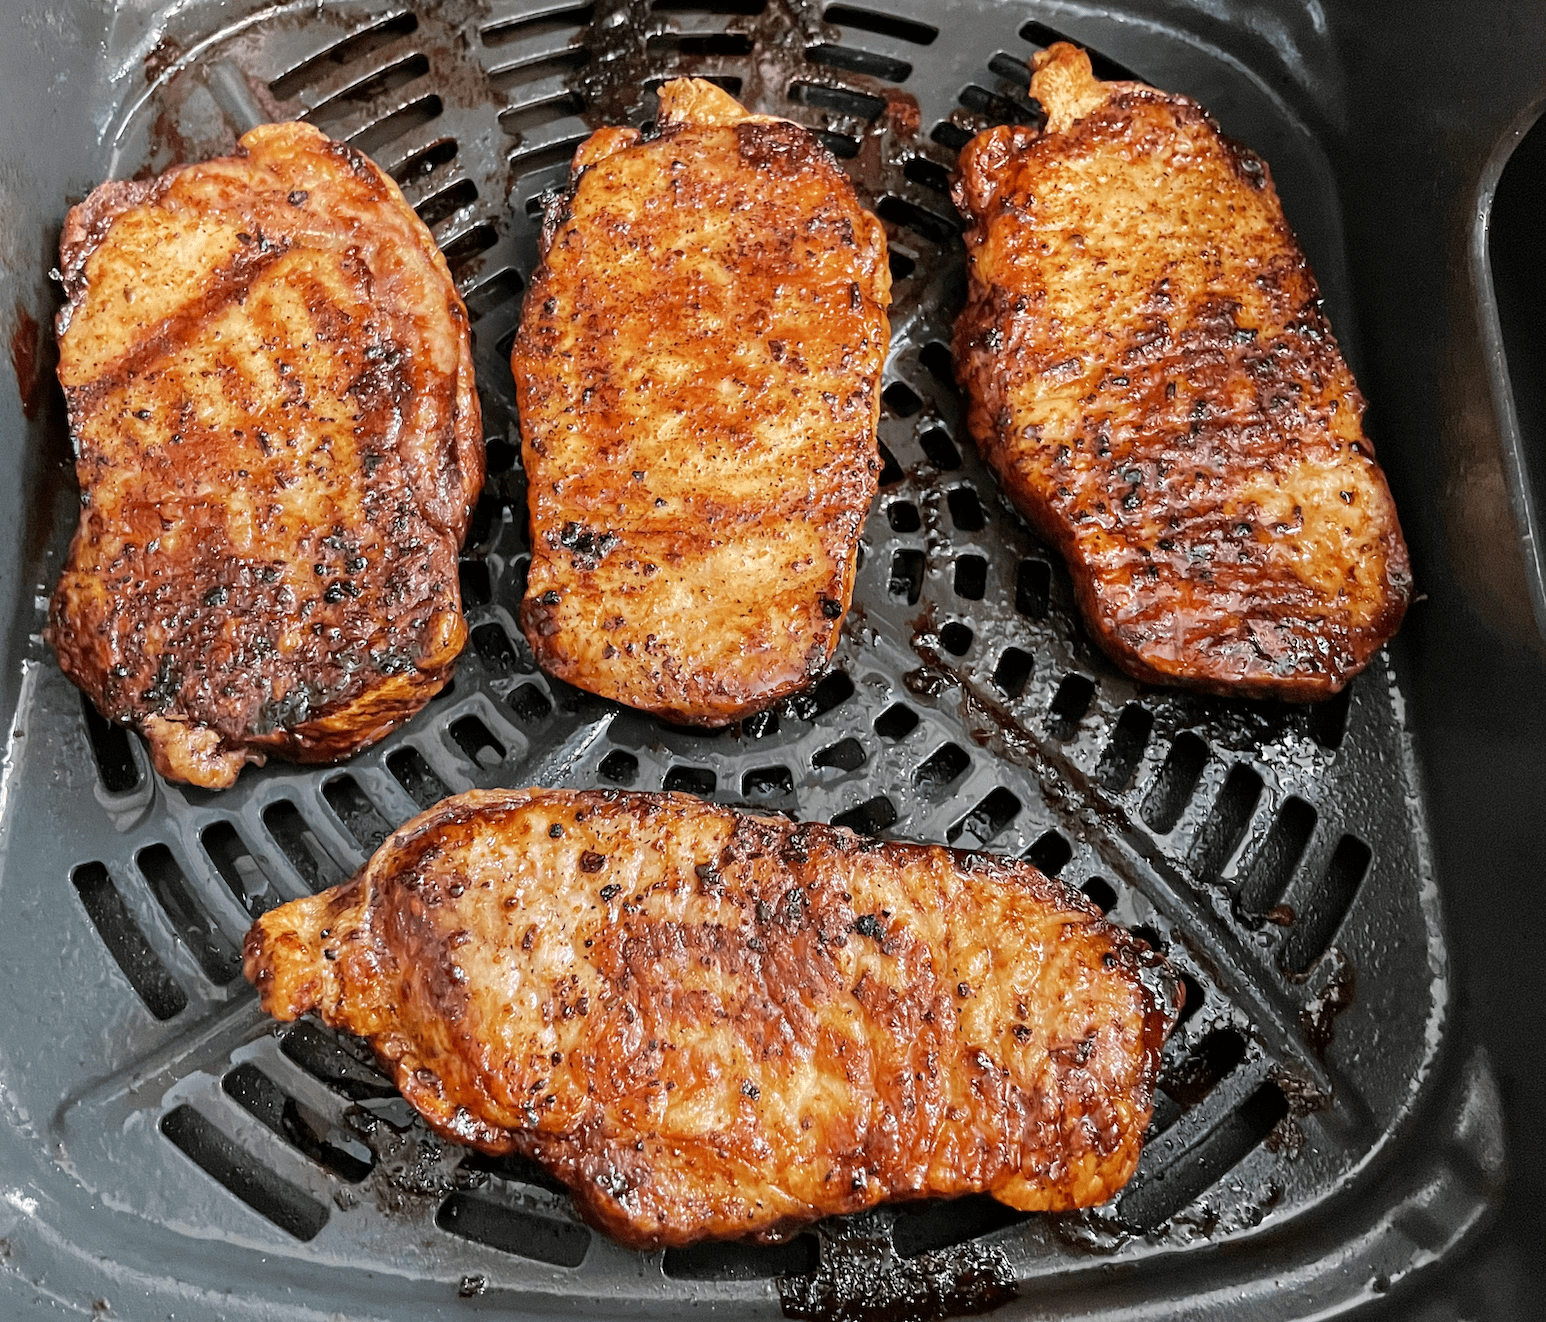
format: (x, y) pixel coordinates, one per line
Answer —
(203, 1159)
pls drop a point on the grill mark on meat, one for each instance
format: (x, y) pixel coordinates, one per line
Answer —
(753, 1024)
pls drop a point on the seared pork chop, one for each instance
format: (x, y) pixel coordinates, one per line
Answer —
(698, 375)
(714, 1025)
(1151, 377)
(278, 442)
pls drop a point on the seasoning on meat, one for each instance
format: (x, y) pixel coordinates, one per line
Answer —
(716, 1025)
(698, 375)
(1151, 377)
(278, 441)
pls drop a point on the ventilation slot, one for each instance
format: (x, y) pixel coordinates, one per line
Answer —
(890, 471)
(447, 202)
(900, 399)
(896, 723)
(1168, 1190)
(460, 252)
(521, 120)
(690, 780)
(1221, 834)
(510, 1230)
(903, 516)
(1000, 109)
(299, 844)
(338, 1153)
(1213, 1059)
(701, 45)
(940, 450)
(357, 813)
(228, 1164)
(1013, 671)
(1069, 705)
(928, 224)
(885, 25)
(125, 942)
(1125, 751)
(220, 960)
(357, 47)
(870, 818)
(767, 783)
(986, 821)
(529, 703)
(747, 7)
(477, 743)
(618, 767)
(834, 690)
(956, 638)
(487, 514)
(473, 578)
(1273, 867)
(1322, 915)
(799, 1256)
(418, 779)
(493, 644)
(1328, 719)
(901, 265)
(239, 869)
(1033, 588)
(866, 62)
(1107, 70)
(424, 163)
(1011, 70)
(348, 1072)
(950, 135)
(1177, 781)
(110, 747)
(1100, 893)
(930, 174)
(848, 755)
(1194, 997)
(1148, 935)
(499, 457)
(928, 1227)
(965, 509)
(1050, 855)
(837, 99)
(942, 766)
(845, 149)
(759, 725)
(906, 576)
(971, 577)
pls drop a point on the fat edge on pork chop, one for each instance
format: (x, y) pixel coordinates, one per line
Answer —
(716, 1025)
(278, 441)
(1149, 373)
(698, 372)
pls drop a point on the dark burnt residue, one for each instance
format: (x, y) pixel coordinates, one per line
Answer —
(861, 1279)
(1318, 1019)
(31, 352)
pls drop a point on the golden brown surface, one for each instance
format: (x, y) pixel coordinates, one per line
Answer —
(713, 1025)
(1150, 375)
(278, 444)
(698, 374)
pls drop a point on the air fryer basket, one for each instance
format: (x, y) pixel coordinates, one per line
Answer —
(1324, 1129)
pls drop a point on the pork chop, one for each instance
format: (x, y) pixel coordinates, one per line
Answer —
(715, 1025)
(698, 375)
(278, 442)
(1150, 375)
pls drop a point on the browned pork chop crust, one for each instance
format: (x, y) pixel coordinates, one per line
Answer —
(1151, 377)
(278, 443)
(714, 1025)
(698, 373)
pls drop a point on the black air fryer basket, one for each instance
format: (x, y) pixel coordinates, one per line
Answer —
(1350, 1113)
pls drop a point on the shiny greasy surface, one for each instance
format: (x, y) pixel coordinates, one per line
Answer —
(1151, 377)
(715, 1025)
(698, 376)
(278, 444)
